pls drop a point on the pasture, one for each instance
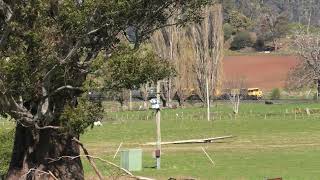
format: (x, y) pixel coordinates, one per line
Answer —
(279, 140)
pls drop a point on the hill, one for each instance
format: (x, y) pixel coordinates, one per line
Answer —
(298, 11)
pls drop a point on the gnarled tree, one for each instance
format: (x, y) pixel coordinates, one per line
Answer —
(46, 52)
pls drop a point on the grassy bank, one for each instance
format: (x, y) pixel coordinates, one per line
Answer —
(271, 141)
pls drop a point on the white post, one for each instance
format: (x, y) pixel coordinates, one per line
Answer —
(158, 120)
(208, 99)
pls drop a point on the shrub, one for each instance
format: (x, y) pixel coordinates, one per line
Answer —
(315, 96)
(228, 31)
(275, 94)
(241, 40)
(239, 21)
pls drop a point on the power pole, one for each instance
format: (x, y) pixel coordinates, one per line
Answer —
(158, 120)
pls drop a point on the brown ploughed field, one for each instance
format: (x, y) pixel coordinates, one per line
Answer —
(265, 72)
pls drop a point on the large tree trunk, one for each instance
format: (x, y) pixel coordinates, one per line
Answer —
(180, 98)
(164, 101)
(34, 152)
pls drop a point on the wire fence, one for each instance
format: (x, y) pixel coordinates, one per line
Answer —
(201, 115)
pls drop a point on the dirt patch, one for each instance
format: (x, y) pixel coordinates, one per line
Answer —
(265, 72)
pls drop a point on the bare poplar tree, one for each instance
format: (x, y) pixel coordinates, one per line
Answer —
(197, 51)
(207, 38)
(162, 44)
(172, 43)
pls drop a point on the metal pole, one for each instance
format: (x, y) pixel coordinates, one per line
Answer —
(208, 99)
(158, 120)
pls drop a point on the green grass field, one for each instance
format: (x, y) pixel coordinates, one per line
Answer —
(270, 141)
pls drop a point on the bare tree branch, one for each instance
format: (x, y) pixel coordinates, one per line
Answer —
(308, 70)
(47, 127)
(90, 159)
(41, 173)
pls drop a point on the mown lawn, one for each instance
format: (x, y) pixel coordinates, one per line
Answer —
(270, 141)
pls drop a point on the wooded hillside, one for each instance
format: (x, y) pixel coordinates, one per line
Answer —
(298, 11)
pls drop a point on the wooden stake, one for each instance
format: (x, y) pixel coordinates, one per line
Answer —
(91, 160)
(117, 151)
(208, 156)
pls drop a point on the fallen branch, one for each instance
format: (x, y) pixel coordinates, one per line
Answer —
(91, 161)
(208, 140)
(41, 173)
(103, 160)
(51, 174)
(47, 127)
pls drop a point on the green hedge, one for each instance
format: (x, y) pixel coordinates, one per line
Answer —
(241, 40)
(275, 94)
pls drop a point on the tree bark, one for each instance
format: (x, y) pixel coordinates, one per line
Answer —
(145, 104)
(144, 94)
(164, 101)
(180, 100)
(33, 153)
(275, 44)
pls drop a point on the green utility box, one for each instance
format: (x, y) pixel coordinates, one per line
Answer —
(131, 159)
